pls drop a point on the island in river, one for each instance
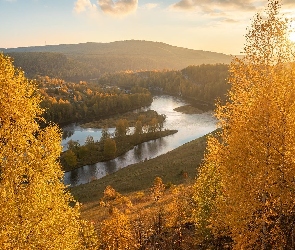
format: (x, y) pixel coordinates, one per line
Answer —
(132, 117)
(92, 152)
(188, 109)
(147, 126)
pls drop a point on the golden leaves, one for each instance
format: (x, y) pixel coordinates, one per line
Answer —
(245, 187)
(34, 205)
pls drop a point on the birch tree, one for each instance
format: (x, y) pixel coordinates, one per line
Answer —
(254, 158)
(34, 204)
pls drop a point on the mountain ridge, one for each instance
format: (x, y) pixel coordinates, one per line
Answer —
(50, 48)
(90, 60)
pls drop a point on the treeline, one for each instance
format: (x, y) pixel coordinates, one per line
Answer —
(58, 65)
(66, 102)
(111, 94)
(203, 83)
(43, 63)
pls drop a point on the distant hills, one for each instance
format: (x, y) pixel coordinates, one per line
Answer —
(90, 60)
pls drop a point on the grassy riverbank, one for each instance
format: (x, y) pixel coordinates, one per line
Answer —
(175, 167)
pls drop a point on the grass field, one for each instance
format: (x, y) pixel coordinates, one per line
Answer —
(175, 167)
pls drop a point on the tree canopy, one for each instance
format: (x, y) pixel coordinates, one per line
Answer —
(34, 206)
(251, 197)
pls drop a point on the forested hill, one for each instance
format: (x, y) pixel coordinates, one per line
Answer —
(90, 60)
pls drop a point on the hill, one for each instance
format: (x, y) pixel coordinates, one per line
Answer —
(163, 220)
(90, 60)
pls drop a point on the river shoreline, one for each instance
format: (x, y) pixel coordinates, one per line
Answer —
(189, 126)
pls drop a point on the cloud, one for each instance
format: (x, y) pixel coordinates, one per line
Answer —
(150, 6)
(220, 11)
(84, 5)
(215, 5)
(184, 4)
(118, 8)
(229, 20)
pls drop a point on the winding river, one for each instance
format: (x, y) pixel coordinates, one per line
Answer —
(189, 128)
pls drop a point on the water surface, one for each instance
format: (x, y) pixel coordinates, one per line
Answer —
(189, 128)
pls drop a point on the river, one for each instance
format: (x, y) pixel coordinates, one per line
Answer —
(189, 128)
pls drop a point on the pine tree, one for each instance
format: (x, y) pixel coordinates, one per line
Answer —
(34, 206)
(254, 158)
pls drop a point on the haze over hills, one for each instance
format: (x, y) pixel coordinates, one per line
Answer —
(91, 60)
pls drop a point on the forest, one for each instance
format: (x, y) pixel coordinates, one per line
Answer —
(232, 189)
(66, 102)
(201, 84)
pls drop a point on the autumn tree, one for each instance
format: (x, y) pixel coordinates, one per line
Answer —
(114, 200)
(73, 145)
(116, 232)
(252, 197)
(34, 204)
(90, 147)
(89, 140)
(70, 158)
(179, 217)
(153, 125)
(157, 189)
(206, 195)
(89, 236)
(122, 128)
(138, 128)
(109, 148)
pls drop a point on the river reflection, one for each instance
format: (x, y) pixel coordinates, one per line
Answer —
(189, 128)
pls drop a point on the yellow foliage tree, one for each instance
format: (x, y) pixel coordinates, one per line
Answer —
(116, 232)
(157, 189)
(34, 206)
(253, 192)
(207, 190)
(114, 200)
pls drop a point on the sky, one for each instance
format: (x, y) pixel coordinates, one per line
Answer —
(210, 25)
